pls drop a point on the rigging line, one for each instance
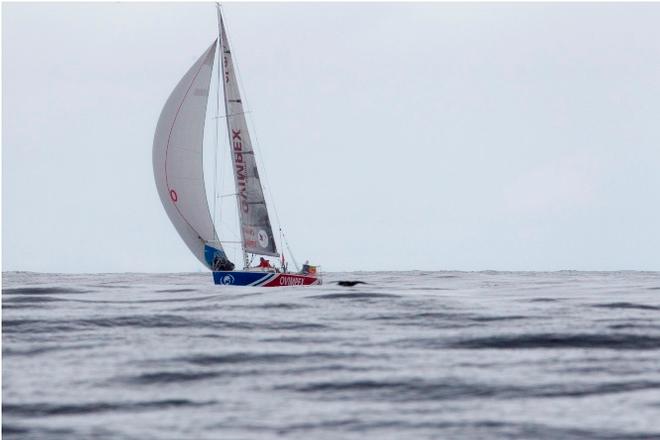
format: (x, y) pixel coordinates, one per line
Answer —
(257, 144)
(295, 263)
(228, 230)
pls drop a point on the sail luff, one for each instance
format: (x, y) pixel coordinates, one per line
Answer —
(216, 147)
(256, 231)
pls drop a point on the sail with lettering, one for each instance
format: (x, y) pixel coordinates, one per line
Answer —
(178, 166)
(256, 231)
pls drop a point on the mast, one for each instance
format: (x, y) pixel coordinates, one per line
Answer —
(256, 230)
(223, 49)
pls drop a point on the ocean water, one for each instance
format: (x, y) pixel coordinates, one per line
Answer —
(409, 355)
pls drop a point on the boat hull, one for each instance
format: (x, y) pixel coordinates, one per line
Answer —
(264, 279)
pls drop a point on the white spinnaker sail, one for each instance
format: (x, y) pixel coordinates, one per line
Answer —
(177, 158)
(256, 231)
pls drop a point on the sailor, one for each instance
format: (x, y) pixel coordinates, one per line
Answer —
(221, 263)
(305, 267)
(264, 264)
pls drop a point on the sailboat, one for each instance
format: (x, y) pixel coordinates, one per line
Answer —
(179, 173)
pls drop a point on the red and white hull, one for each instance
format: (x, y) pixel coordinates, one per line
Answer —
(264, 279)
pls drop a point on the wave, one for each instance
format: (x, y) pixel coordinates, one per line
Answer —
(627, 305)
(266, 306)
(285, 306)
(164, 377)
(634, 326)
(52, 409)
(147, 321)
(148, 301)
(31, 299)
(442, 319)
(551, 340)
(24, 305)
(44, 349)
(357, 295)
(270, 358)
(36, 432)
(484, 428)
(317, 338)
(434, 390)
(175, 290)
(394, 390)
(42, 290)
(482, 318)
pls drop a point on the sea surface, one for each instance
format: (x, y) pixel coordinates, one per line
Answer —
(408, 355)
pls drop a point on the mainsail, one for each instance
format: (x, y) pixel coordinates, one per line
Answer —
(177, 160)
(256, 231)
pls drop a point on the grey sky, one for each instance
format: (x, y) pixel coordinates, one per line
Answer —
(395, 136)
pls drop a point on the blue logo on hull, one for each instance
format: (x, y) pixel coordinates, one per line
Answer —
(227, 279)
(240, 278)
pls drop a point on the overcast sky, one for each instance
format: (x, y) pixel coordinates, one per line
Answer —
(395, 136)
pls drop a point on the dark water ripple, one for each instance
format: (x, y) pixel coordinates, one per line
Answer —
(42, 290)
(283, 306)
(548, 341)
(51, 409)
(174, 290)
(424, 355)
(15, 431)
(270, 358)
(627, 305)
(31, 299)
(145, 322)
(635, 326)
(421, 390)
(165, 377)
(357, 295)
(544, 300)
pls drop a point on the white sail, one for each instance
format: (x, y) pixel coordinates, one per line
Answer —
(256, 231)
(177, 160)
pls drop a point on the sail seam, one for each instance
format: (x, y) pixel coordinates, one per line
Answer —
(187, 149)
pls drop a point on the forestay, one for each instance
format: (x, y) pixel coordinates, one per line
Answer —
(256, 231)
(177, 159)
